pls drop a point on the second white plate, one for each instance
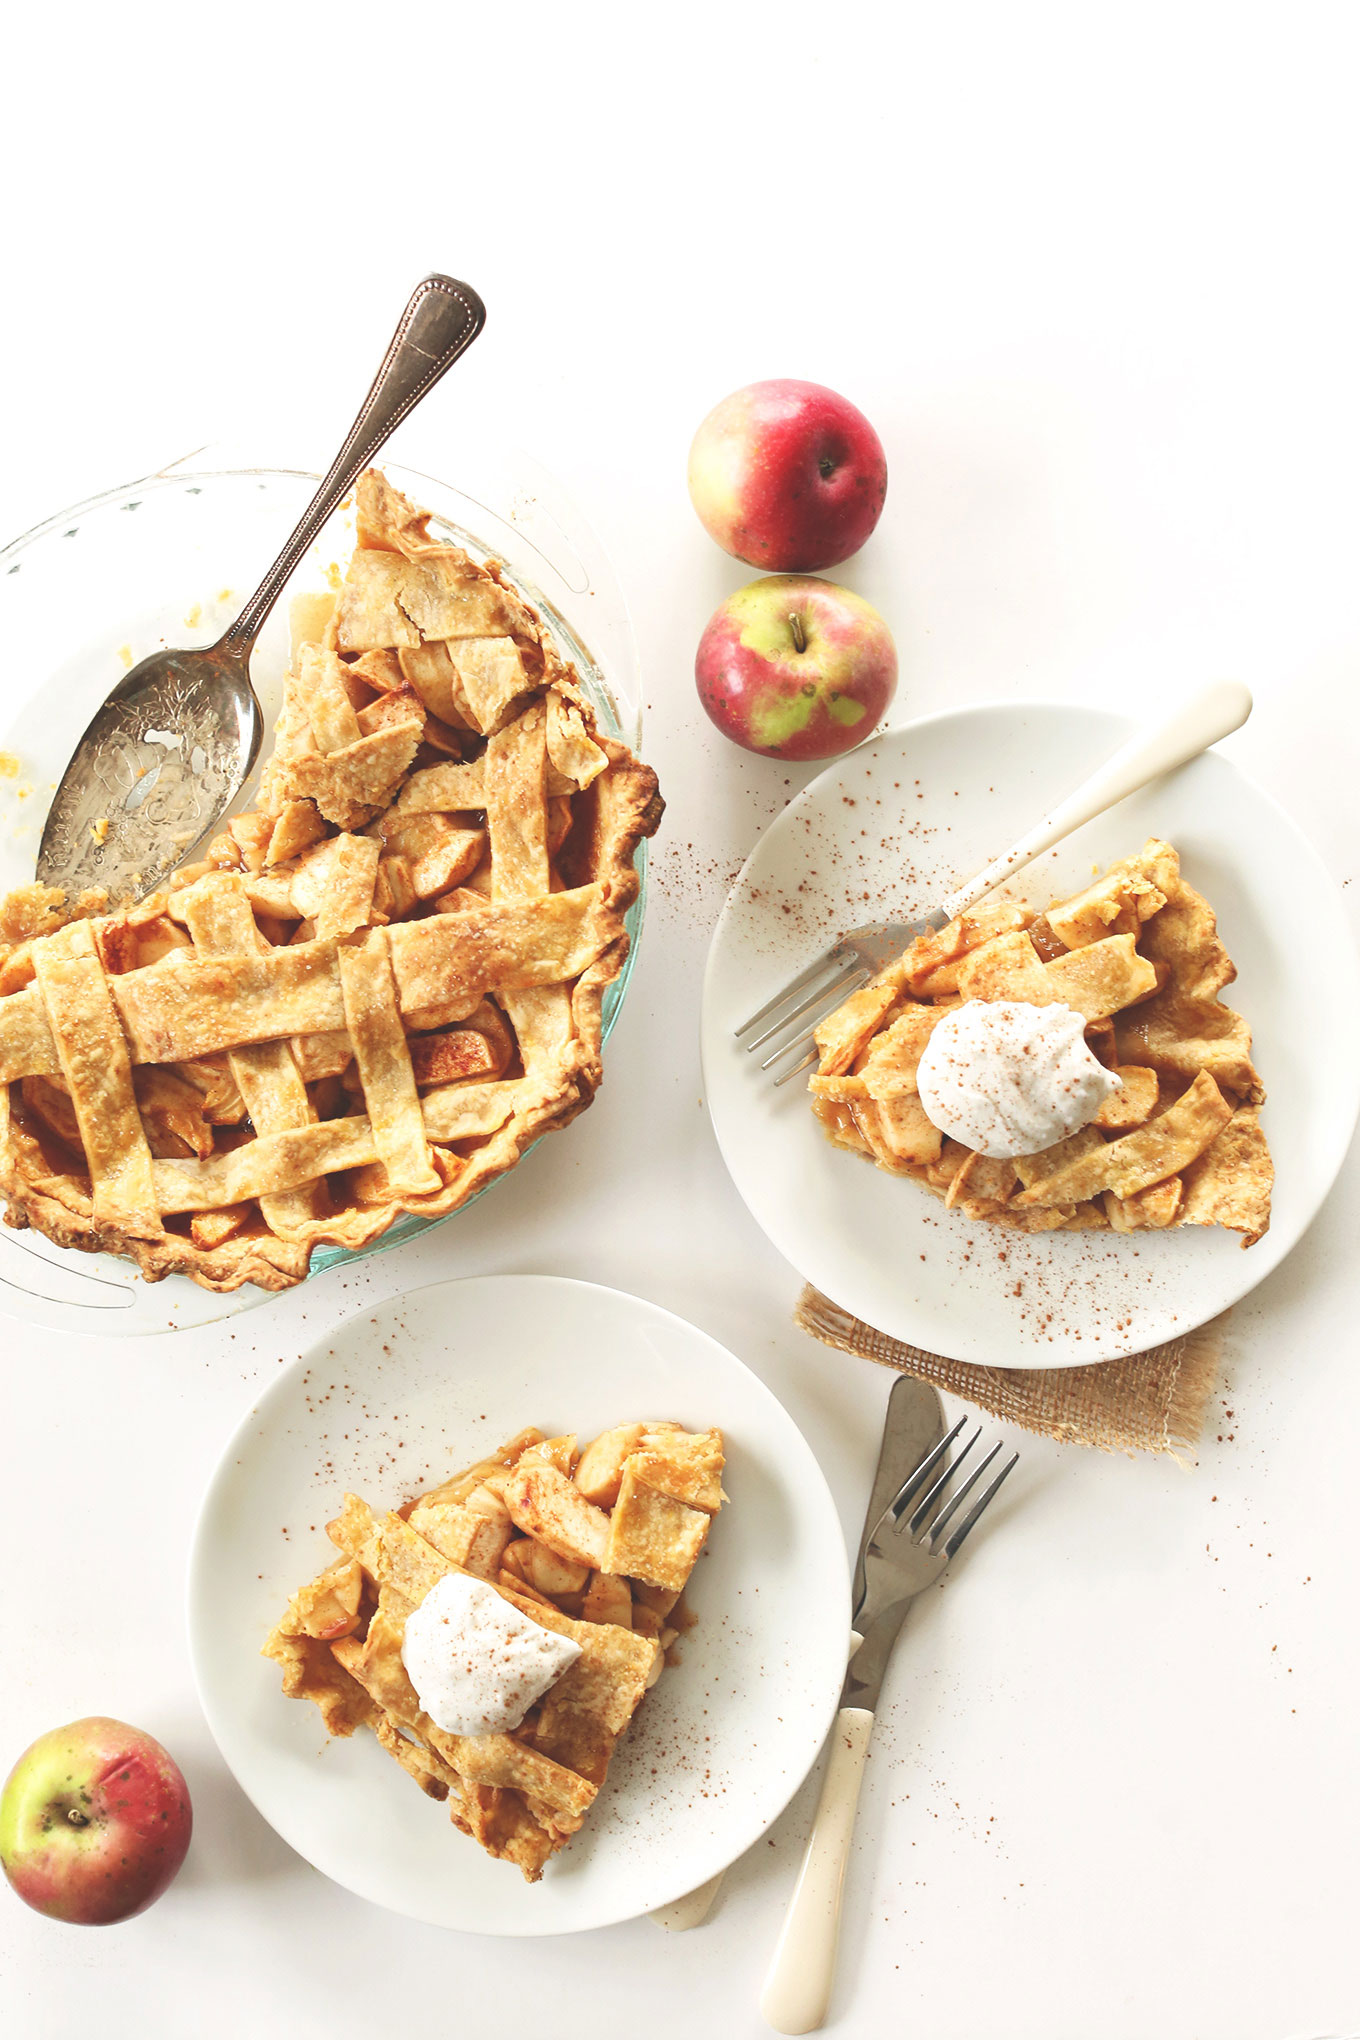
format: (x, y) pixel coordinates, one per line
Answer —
(883, 834)
(397, 1399)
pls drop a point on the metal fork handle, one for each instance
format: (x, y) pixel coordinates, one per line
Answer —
(798, 1987)
(441, 322)
(1216, 711)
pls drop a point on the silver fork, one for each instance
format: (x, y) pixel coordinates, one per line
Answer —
(905, 1551)
(861, 954)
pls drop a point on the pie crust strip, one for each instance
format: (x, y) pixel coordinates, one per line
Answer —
(401, 603)
(1068, 1173)
(516, 764)
(92, 1056)
(218, 916)
(281, 1161)
(321, 690)
(380, 1050)
(179, 1011)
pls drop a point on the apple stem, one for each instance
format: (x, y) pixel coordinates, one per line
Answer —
(799, 636)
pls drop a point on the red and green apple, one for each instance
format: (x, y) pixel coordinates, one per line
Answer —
(94, 1822)
(787, 476)
(796, 667)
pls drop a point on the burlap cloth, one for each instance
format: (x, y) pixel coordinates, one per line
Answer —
(1149, 1402)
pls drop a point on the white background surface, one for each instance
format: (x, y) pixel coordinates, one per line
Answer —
(1091, 273)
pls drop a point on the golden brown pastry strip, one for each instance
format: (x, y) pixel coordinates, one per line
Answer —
(176, 1011)
(321, 690)
(491, 678)
(444, 789)
(333, 884)
(207, 1003)
(1095, 981)
(516, 820)
(1084, 1164)
(217, 914)
(516, 769)
(268, 1164)
(494, 947)
(459, 1111)
(1230, 1183)
(385, 1071)
(94, 1060)
(281, 1161)
(350, 786)
(27, 1048)
(542, 1022)
(388, 600)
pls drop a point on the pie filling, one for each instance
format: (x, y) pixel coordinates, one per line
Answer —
(440, 1608)
(372, 993)
(1137, 960)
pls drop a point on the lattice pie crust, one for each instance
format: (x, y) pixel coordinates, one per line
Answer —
(1137, 954)
(598, 1545)
(378, 989)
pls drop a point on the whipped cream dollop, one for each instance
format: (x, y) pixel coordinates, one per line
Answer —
(1007, 1078)
(476, 1663)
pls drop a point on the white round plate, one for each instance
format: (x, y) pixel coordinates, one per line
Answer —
(882, 835)
(399, 1398)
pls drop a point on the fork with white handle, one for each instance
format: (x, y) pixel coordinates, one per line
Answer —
(905, 1551)
(862, 953)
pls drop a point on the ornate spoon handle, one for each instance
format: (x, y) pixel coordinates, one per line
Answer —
(441, 322)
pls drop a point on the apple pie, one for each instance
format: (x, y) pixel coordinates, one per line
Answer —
(374, 991)
(1137, 956)
(595, 1546)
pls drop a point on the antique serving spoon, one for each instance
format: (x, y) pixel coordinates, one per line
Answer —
(175, 742)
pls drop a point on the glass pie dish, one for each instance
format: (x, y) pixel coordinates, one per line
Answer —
(167, 560)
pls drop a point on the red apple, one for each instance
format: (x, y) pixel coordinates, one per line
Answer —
(94, 1822)
(787, 476)
(796, 667)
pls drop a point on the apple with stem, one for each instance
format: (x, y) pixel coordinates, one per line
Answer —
(94, 1822)
(788, 476)
(796, 667)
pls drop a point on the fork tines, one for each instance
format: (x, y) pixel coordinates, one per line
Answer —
(929, 1520)
(809, 997)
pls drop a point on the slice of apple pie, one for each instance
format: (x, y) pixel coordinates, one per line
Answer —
(1060, 1070)
(499, 1632)
(378, 988)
